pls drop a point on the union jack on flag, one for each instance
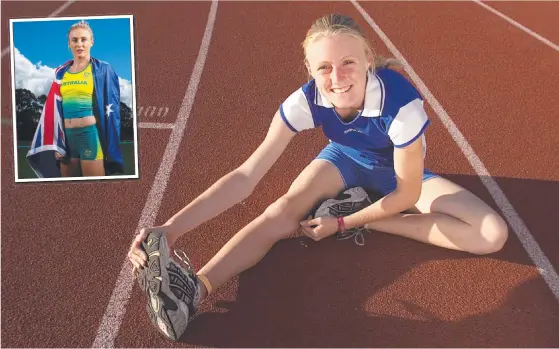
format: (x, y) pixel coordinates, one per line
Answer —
(50, 130)
(49, 136)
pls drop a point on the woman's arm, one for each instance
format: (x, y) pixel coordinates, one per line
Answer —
(408, 165)
(236, 185)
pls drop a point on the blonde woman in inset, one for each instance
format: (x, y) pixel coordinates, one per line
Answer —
(85, 99)
(375, 120)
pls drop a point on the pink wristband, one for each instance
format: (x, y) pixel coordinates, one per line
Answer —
(341, 224)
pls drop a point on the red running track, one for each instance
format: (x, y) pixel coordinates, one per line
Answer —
(495, 82)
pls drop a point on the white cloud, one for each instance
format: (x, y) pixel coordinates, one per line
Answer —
(125, 91)
(37, 78)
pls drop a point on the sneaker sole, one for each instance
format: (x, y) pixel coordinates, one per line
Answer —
(348, 202)
(166, 311)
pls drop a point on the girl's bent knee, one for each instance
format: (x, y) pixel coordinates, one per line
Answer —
(494, 234)
(281, 218)
(277, 210)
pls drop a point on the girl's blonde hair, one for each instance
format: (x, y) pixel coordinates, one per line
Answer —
(334, 24)
(83, 25)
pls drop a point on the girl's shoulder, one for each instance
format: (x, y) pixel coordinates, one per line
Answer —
(398, 90)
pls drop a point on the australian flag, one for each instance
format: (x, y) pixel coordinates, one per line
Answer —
(50, 138)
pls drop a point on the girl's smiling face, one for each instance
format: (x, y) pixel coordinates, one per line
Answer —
(339, 65)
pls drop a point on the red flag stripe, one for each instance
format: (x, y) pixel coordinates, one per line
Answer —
(48, 122)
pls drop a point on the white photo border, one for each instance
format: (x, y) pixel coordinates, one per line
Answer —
(133, 108)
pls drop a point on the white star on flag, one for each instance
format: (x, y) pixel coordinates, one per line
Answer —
(109, 111)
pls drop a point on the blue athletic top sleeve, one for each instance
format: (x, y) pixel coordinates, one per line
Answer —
(393, 116)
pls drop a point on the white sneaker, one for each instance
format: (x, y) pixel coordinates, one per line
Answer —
(173, 291)
(348, 202)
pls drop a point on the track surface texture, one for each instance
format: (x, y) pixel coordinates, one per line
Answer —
(495, 81)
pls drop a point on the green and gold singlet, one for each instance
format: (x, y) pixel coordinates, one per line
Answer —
(77, 93)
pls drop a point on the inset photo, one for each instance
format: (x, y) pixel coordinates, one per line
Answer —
(73, 98)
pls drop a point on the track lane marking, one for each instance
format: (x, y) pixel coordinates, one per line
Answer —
(156, 125)
(518, 25)
(542, 263)
(116, 308)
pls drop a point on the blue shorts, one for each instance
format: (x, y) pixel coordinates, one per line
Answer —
(381, 180)
(84, 143)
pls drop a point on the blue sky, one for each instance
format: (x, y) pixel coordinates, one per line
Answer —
(47, 42)
(41, 46)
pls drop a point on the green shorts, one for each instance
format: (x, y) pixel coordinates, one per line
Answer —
(84, 143)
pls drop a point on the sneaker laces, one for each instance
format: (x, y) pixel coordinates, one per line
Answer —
(357, 233)
(184, 258)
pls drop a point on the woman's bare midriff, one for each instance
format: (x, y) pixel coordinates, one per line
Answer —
(80, 122)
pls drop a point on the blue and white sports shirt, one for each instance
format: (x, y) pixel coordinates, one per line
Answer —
(393, 116)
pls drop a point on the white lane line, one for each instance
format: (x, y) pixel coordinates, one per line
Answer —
(518, 25)
(56, 12)
(112, 319)
(530, 245)
(155, 125)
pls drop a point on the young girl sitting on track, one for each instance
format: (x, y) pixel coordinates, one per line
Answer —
(375, 121)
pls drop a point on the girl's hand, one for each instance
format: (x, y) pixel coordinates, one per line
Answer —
(137, 255)
(320, 228)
